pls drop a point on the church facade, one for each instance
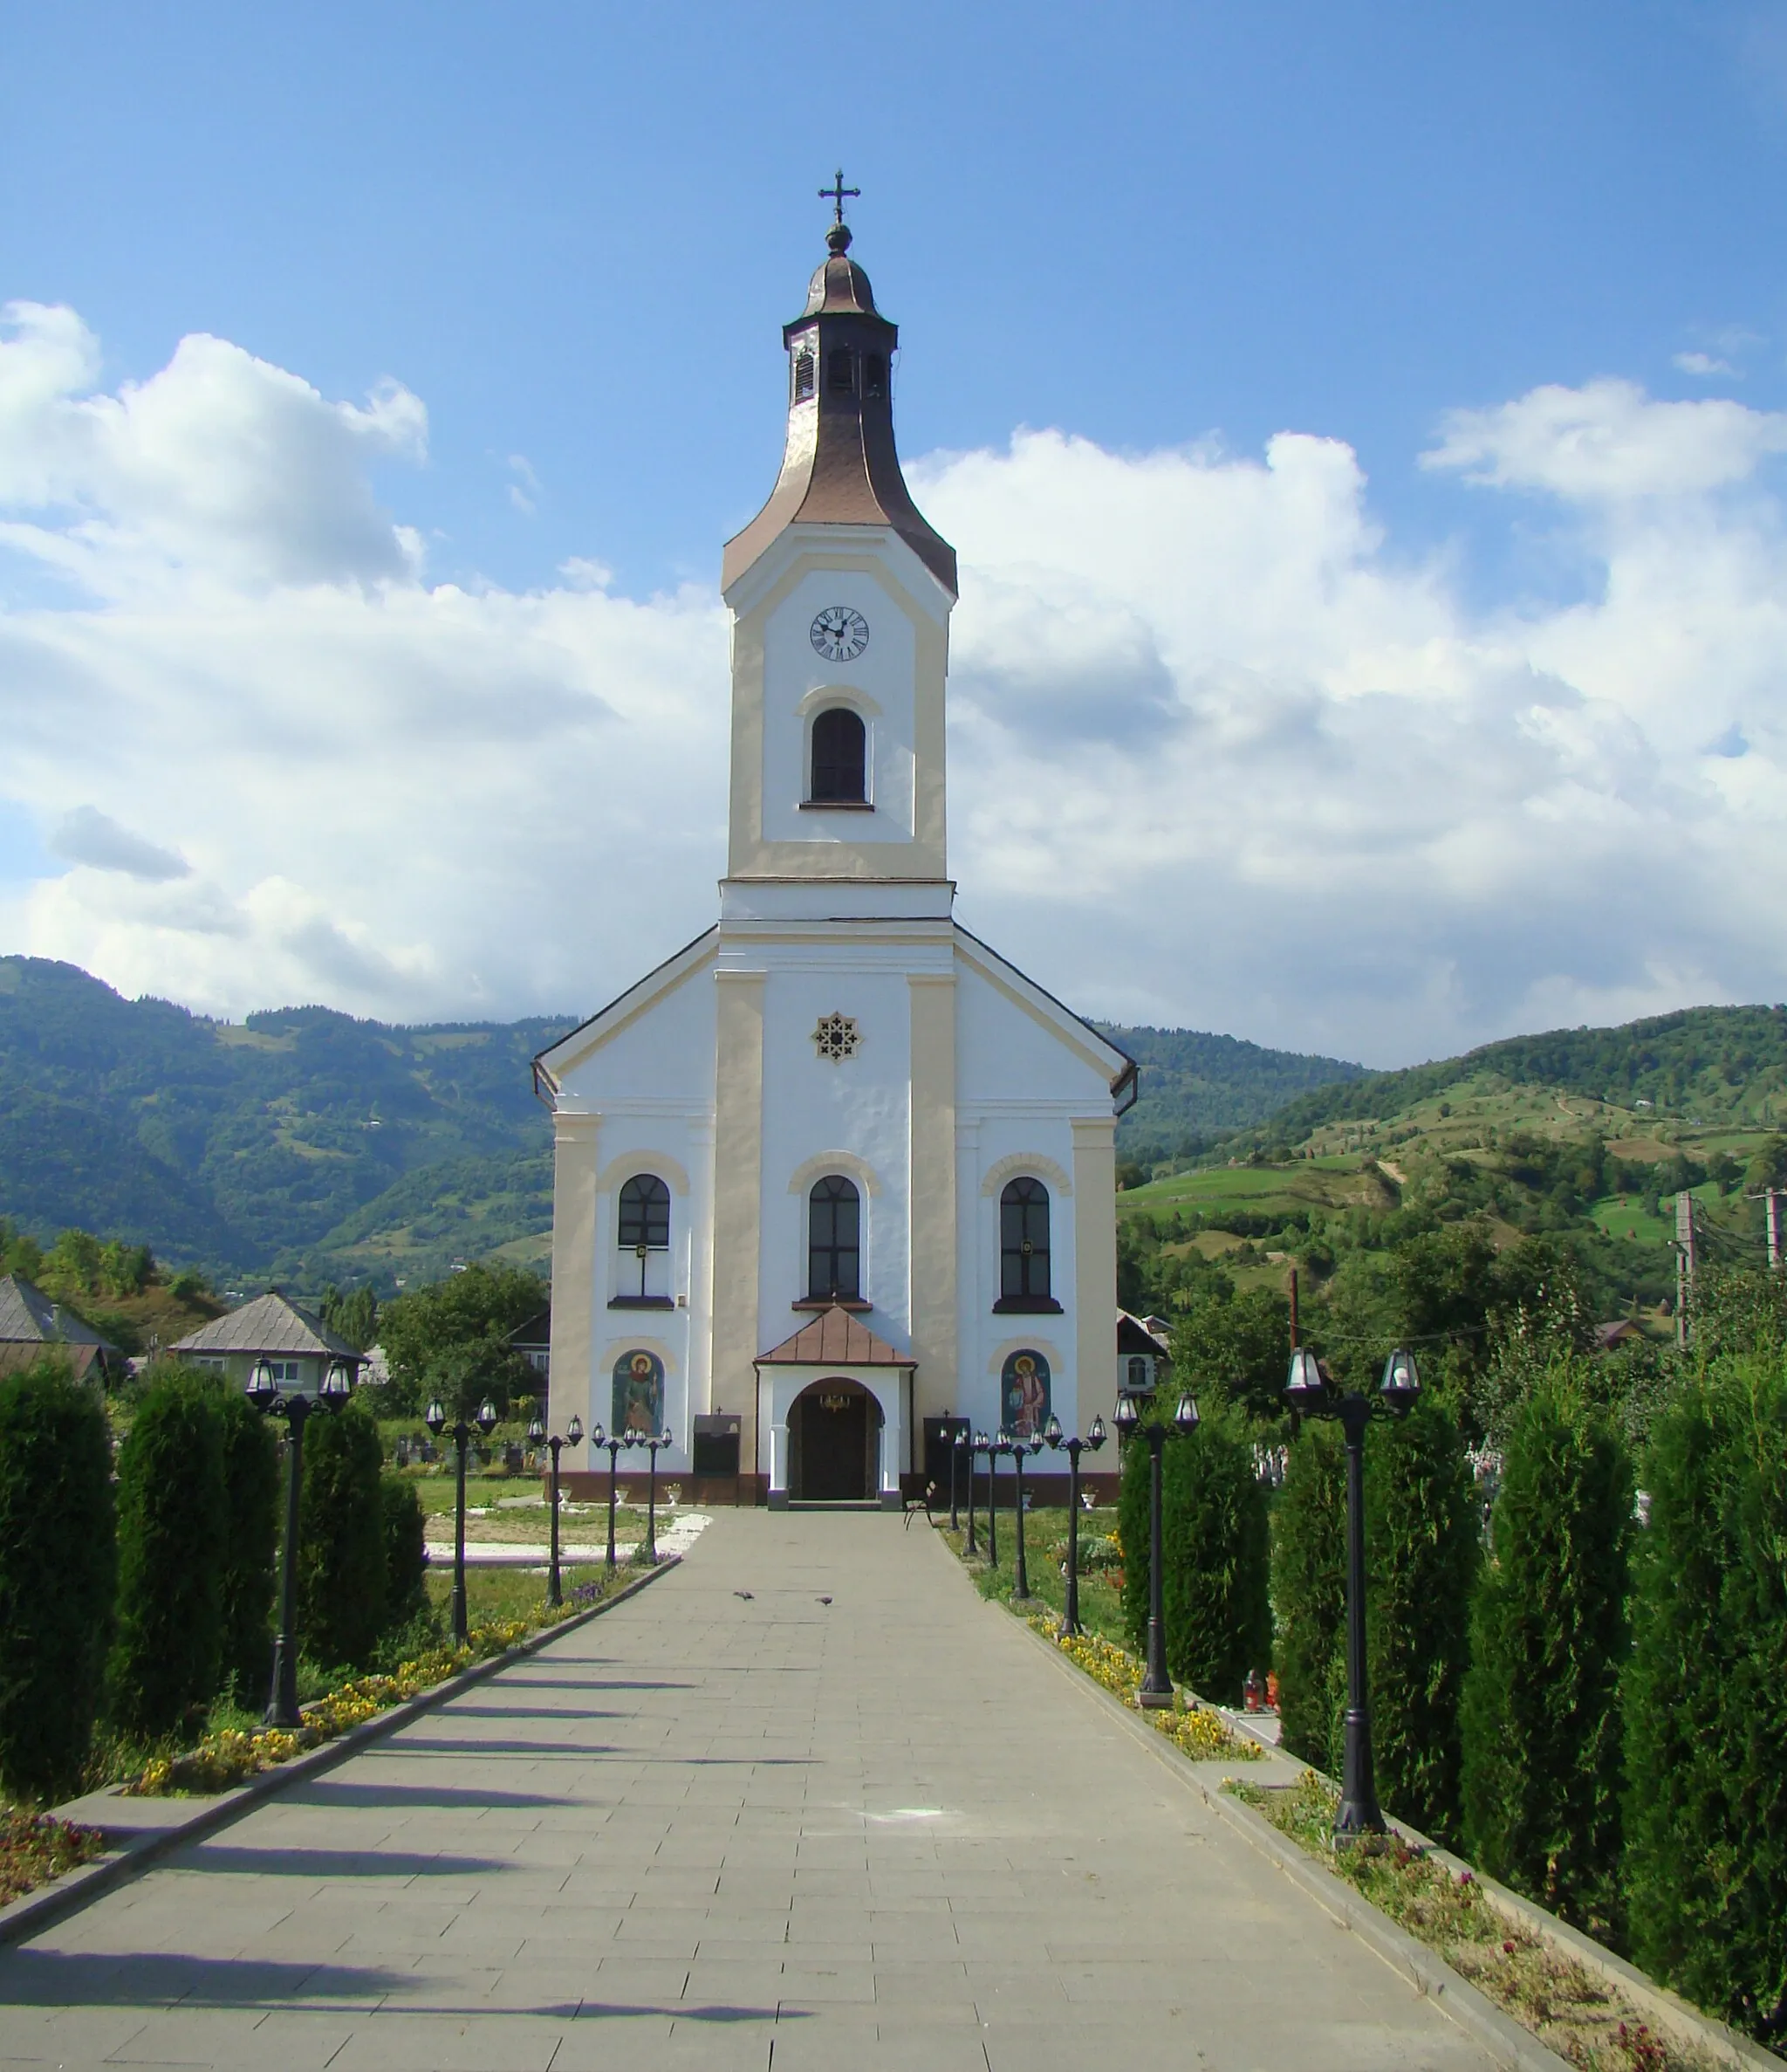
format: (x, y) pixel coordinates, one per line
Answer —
(835, 1173)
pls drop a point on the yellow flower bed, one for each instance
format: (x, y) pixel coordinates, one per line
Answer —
(227, 1758)
(1203, 1734)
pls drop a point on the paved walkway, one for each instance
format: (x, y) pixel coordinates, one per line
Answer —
(854, 1817)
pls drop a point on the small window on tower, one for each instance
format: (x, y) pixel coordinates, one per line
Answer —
(806, 371)
(874, 373)
(839, 376)
(840, 758)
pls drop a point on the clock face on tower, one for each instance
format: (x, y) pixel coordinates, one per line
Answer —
(839, 634)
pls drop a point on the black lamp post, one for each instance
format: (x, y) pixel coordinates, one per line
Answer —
(573, 1436)
(1020, 1448)
(995, 1447)
(459, 1434)
(1156, 1692)
(1308, 1393)
(970, 1443)
(600, 1442)
(657, 1440)
(957, 1433)
(264, 1393)
(1090, 1443)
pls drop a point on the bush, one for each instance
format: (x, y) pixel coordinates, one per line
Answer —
(56, 1576)
(341, 1538)
(1215, 1601)
(406, 1553)
(1705, 1858)
(1308, 1595)
(250, 1545)
(1422, 1544)
(172, 1522)
(1542, 1769)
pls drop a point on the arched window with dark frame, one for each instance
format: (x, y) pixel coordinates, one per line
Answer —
(841, 371)
(833, 1241)
(841, 757)
(1024, 1246)
(644, 1214)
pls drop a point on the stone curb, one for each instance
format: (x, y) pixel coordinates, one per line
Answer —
(1505, 2038)
(75, 1888)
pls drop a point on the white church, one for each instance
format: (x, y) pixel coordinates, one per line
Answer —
(835, 1174)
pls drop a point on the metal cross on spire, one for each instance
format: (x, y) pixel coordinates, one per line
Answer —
(838, 194)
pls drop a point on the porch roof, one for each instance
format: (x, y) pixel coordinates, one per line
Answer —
(834, 1338)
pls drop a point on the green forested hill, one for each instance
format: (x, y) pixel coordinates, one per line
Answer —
(246, 1148)
(1704, 1064)
(1196, 1089)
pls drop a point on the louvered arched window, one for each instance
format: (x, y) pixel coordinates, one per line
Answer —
(1023, 1242)
(840, 758)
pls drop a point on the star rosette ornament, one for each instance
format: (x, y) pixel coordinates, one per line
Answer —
(836, 1036)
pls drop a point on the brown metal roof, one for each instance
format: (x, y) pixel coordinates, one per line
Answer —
(29, 1317)
(841, 466)
(270, 1324)
(834, 1338)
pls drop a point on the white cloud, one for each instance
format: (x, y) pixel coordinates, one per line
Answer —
(1705, 364)
(86, 835)
(1220, 753)
(1608, 442)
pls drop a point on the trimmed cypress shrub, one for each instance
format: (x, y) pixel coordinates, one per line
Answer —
(341, 1539)
(1308, 1595)
(172, 1521)
(1705, 1703)
(58, 1572)
(250, 1545)
(406, 1552)
(1543, 1770)
(1422, 1549)
(1216, 1600)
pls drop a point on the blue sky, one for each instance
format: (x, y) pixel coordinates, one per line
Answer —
(569, 235)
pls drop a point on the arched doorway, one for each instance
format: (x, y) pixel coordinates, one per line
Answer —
(834, 1444)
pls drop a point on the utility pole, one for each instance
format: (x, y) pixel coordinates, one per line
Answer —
(1771, 1209)
(1684, 1264)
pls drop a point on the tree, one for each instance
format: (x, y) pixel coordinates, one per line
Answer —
(341, 1564)
(353, 1316)
(250, 1544)
(1421, 1556)
(450, 1339)
(1239, 1343)
(1542, 1769)
(1705, 1814)
(58, 1572)
(1215, 1601)
(406, 1553)
(1309, 1593)
(172, 1523)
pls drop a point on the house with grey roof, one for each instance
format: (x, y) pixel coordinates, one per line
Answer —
(297, 1345)
(32, 1324)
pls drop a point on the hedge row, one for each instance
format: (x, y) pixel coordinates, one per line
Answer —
(138, 1607)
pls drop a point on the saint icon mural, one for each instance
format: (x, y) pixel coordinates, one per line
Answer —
(1023, 1394)
(639, 1394)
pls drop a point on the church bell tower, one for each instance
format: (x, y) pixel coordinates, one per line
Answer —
(840, 594)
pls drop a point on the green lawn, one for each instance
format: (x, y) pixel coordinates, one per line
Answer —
(508, 1593)
(1045, 1554)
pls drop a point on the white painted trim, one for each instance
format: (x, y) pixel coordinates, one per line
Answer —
(846, 1163)
(837, 694)
(1025, 1164)
(629, 1164)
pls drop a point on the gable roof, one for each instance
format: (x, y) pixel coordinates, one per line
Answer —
(536, 1330)
(576, 1043)
(1124, 1073)
(29, 1317)
(270, 1324)
(834, 1338)
(1133, 1336)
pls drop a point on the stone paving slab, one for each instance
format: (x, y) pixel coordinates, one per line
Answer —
(734, 1831)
